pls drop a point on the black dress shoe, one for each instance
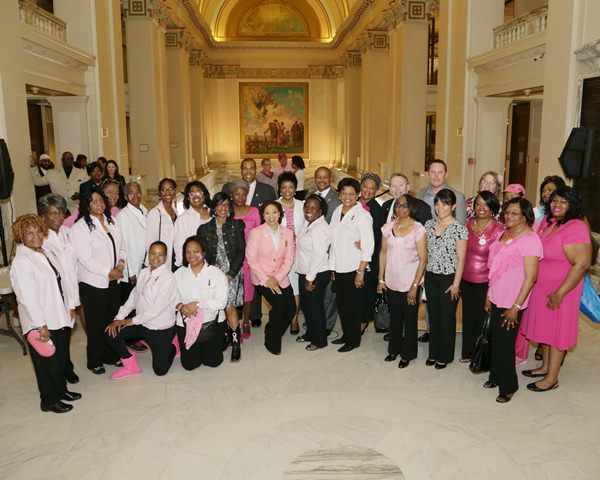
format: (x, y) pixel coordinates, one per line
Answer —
(386, 337)
(430, 362)
(346, 348)
(301, 339)
(72, 378)
(71, 396)
(58, 407)
(339, 341)
(424, 338)
(490, 384)
(534, 388)
(403, 364)
(312, 348)
(440, 366)
(504, 398)
(390, 358)
(256, 323)
(98, 370)
(530, 374)
(382, 330)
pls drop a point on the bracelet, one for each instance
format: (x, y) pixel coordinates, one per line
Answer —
(381, 280)
(415, 285)
(518, 306)
(360, 273)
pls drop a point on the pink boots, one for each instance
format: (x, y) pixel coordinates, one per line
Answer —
(130, 367)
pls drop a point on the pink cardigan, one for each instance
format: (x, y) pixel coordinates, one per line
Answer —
(264, 260)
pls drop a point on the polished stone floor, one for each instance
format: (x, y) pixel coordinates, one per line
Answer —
(303, 415)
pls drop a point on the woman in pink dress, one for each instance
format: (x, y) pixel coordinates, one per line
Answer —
(251, 218)
(553, 316)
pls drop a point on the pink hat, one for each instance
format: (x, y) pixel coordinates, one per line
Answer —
(515, 188)
(45, 349)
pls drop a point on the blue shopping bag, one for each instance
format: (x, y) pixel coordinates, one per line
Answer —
(590, 302)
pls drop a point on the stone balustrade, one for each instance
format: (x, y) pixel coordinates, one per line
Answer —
(42, 20)
(526, 25)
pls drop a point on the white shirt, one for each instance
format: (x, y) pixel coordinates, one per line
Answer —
(252, 188)
(154, 299)
(312, 253)
(132, 221)
(357, 224)
(60, 251)
(300, 177)
(159, 226)
(209, 288)
(38, 296)
(94, 250)
(59, 183)
(324, 193)
(186, 225)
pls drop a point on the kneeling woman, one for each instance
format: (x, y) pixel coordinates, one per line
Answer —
(270, 254)
(202, 291)
(153, 299)
(39, 290)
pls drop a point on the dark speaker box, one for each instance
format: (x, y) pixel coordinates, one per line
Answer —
(579, 152)
(7, 176)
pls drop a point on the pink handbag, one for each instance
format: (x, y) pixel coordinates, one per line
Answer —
(45, 349)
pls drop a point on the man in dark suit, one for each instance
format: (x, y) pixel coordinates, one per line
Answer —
(325, 190)
(399, 185)
(259, 192)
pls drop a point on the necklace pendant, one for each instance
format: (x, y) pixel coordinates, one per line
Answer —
(482, 241)
(509, 240)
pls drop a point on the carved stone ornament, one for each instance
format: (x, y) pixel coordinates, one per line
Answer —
(401, 10)
(588, 57)
(235, 71)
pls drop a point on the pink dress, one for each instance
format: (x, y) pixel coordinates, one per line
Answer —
(558, 328)
(251, 220)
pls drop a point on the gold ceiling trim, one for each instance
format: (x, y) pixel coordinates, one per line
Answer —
(237, 72)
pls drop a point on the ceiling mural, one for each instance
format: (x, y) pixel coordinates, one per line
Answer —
(273, 18)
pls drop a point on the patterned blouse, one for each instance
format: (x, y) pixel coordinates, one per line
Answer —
(441, 251)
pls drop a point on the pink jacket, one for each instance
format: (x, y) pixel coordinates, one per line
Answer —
(264, 260)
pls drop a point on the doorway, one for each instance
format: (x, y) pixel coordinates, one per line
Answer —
(519, 142)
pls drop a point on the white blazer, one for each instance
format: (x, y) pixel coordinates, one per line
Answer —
(159, 226)
(60, 251)
(154, 299)
(132, 221)
(94, 250)
(38, 296)
(186, 225)
(357, 224)
(298, 215)
(312, 254)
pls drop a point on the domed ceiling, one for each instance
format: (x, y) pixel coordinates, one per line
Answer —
(275, 20)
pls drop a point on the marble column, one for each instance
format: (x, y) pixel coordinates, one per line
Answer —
(199, 156)
(148, 106)
(408, 93)
(374, 101)
(178, 43)
(352, 107)
(71, 126)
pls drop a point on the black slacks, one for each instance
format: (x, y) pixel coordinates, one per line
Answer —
(403, 325)
(313, 306)
(256, 306)
(100, 306)
(209, 352)
(50, 372)
(159, 341)
(283, 309)
(331, 312)
(349, 305)
(473, 314)
(370, 295)
(442, 317)
(502, 352)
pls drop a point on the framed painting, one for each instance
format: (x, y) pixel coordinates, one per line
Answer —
(273, 119)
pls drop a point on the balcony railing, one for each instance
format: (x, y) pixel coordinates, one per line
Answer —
(42, 20)
(521, 27)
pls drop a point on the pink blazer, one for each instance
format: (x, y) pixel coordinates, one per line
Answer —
(264, 260)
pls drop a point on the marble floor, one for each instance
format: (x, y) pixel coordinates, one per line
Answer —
(303, 415)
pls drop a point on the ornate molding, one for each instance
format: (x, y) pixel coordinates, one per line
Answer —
(351, 59)
(311, 72)
(588, 57)
(414, 10)
(531, 55)
(53, 56)
(197, 58)
(179, 38)
(155, 9)
(373, 40)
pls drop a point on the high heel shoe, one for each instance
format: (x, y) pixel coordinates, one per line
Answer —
(246, 333)
(403, 364)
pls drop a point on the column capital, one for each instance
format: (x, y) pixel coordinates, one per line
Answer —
(326, 71)
(376, 40)
(197, 58)
(351, 59)
(179, 38)
(413, 10)
(155, 9)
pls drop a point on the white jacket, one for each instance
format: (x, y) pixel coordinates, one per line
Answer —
(94, 250)
(298, 215)
(59, 183)
(60, 251)
(357, 225)
(38, 295)
(159, 226)
(132, 221)
(186, 225)
(312, 253)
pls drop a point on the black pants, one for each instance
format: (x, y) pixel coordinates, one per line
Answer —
(50, 372)
(330, 306)
(256, 306)
(403, 325)
(502, 352)
(283, 309)
(442, 317)
(159, 341)
(313, 306)
(100, 306)
(349, 305)
(370, 295)
(209, 352)
(473, 314)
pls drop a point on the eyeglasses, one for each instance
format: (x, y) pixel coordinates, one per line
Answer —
(195, 194)
(402, 205)
(167, 189)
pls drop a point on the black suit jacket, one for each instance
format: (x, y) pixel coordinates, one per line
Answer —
(423, 210)
(262, 193)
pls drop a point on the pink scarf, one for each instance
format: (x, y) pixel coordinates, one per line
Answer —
(193, 327)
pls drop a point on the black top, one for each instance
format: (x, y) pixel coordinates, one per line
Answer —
(233, 238)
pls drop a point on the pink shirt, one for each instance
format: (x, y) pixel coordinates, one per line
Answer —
(289, 218)
(478, 249)
(507, 271)
(402, 258)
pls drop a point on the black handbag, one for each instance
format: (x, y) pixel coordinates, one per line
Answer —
(382, 311)
(481, 358)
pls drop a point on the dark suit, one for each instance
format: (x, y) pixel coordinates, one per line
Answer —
(262, 193)
(371, 276)
(332, 199)
(423, 210)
